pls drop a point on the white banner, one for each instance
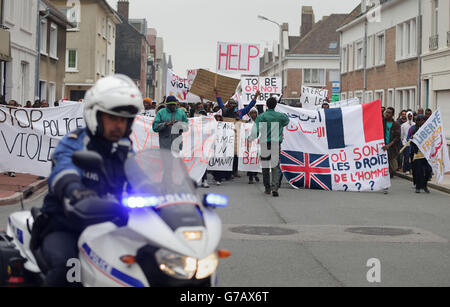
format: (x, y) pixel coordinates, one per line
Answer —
(179, 87)
(432, 143)
(268, 86)
(343, 103)
(249, 152)
(235, 58)
(312, 98)
(335, 149)
(223, 148)
(28, 138)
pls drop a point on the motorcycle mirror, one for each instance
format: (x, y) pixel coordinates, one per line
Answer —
(87, 160)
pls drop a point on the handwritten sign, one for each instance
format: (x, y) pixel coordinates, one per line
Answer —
(223, 148)
(249, 152)
(268, 86)
(432, 143)
(235, 58)
(312, 97)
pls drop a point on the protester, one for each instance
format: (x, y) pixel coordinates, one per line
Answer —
(219, 176)
(253, 114)
(402, 118)
(428, 114)
(28, 104)
(404, 136)
(270, 146)
(36, 104)
(44, 104)
(147, 103)
(422, 170)
(420, 111)
(56, 104)
(392, 134)
(170, 123)
(325, 105)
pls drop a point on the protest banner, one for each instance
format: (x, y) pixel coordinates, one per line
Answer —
(432, 143)
(28, 137)
(268, 86)
(179, 87)
(249, 152)
(335, 149)
(312, 97)
(223, 148)
(235, 58)
(343, 103)
(205, 81)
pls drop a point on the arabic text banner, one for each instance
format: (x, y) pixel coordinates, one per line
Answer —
(335, 149)
(432, 143)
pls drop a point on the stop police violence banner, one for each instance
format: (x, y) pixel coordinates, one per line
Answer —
(335, 149)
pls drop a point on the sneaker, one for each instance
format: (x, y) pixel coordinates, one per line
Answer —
(275, 194)
(417, 190)
(408, 173)
(218, 183)
(267, 192)
(205, 184)
(427, 191)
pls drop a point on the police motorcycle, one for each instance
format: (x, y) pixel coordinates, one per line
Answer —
(160, 233)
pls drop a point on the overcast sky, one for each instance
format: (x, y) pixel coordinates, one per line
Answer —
(192, 28)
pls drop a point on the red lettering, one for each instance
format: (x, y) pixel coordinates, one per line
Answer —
(221, 54)
(250, 54)
(230, 55)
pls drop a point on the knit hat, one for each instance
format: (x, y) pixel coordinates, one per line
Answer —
(149, 100)
(171, 100)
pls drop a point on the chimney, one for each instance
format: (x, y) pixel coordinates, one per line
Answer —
(308, 20)
(123, 8)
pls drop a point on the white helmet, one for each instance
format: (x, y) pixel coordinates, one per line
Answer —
(116, 95)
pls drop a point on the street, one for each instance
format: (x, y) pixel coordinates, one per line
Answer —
(302, 238)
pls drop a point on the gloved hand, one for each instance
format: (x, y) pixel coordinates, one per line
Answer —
(78, 195)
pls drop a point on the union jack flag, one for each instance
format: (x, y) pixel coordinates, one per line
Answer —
(305, 170)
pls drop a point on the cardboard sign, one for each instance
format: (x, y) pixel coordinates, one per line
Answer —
(268, 86)
(205, 82)
(312, 97)
(432, 143)
(235, 58)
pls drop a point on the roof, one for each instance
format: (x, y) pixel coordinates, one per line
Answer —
(357, 12)
(318, 40)
(60, 17)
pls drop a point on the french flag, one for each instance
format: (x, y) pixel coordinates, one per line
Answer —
(344, 125)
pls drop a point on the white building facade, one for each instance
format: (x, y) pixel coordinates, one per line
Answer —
(20, 16)
(435, 77)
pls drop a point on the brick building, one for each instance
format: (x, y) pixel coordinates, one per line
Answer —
(379, 54)
(311, 59)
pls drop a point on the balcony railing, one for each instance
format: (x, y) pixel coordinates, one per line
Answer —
(434, 42)
(448, 38)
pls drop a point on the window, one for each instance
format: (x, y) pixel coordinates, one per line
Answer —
(42, 90)
(99, 25)
(333, 75)
(359, 55)
(74, 16)
(333, 45)
(315, 77)
(350, 95)
(98, 63)
(26, 8)
(359, 95)
(435, 18)
(9, 11)
(104, 27)
(343, 96)
(369, 96)
(406, 45)
(43, 42)
(370, 52)
(379, 94)
(380, 49)
(53, 40)
(344, 60)
(351, 57)
(25, 80)
(405, 99)
(391, 98)
(72, 60)
(51, 93)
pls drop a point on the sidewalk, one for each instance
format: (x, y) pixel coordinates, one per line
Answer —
(444, 186)
(23, 185)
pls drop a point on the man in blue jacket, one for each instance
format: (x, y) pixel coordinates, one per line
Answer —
(231, 109)
(110, 108)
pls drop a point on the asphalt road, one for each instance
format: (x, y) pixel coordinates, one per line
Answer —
(302, 238)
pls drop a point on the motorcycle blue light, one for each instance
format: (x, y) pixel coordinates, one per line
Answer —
(216, 200)
(140, 202)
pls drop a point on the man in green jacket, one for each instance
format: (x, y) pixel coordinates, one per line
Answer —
(269, 126)
(170, 123)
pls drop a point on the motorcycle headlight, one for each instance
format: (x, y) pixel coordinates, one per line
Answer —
(207, 266)
(175, 265)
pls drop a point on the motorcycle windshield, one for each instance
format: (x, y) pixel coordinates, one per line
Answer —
(159, 176)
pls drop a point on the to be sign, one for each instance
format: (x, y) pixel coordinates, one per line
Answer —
(268, 86)
(234, 58)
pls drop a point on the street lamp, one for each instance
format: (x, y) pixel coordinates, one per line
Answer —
(280, 54)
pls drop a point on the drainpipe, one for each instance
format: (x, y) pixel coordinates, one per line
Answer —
(38, 46)
(419, 55)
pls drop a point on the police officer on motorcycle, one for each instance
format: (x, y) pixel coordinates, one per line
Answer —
(110, 108)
